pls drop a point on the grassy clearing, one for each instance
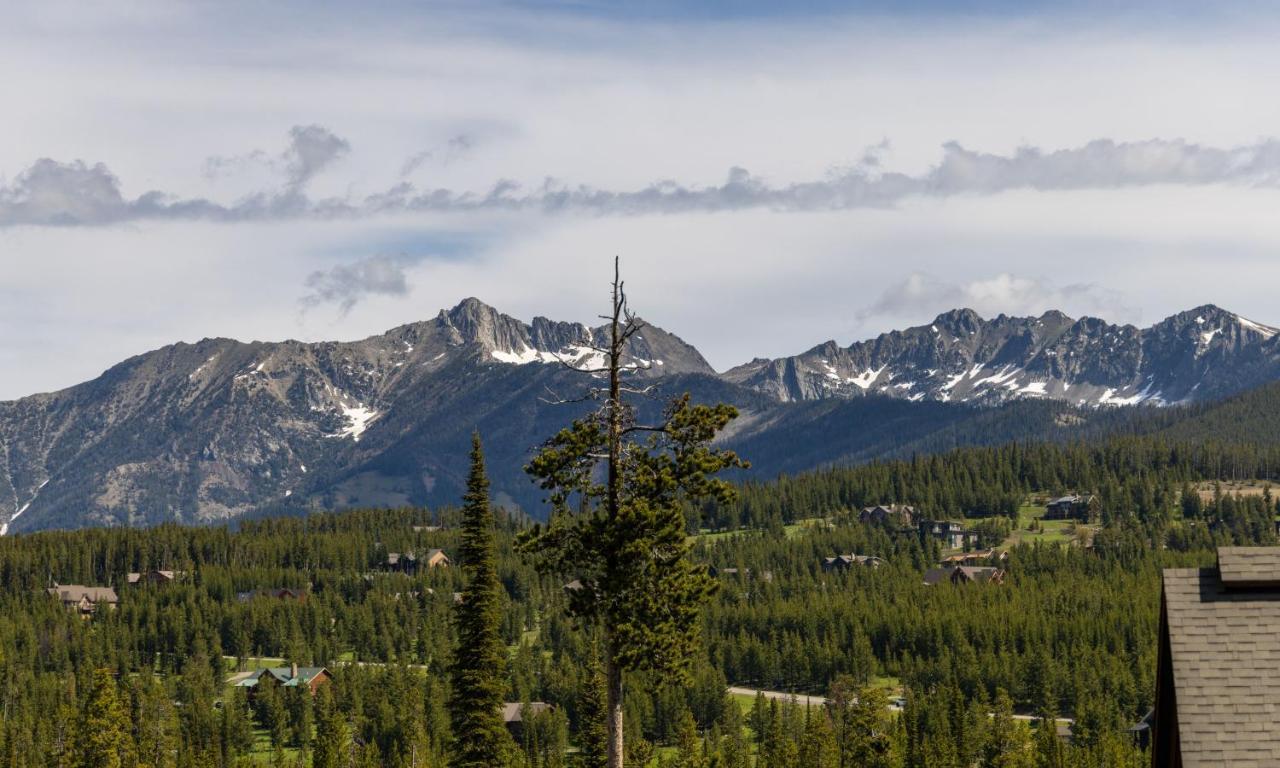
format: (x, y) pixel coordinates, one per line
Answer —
(1235, 488)
(791, 531)
(1051, 531)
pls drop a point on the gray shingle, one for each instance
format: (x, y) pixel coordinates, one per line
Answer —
(1224, 641)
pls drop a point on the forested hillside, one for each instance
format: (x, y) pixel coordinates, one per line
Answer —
(1070, 633)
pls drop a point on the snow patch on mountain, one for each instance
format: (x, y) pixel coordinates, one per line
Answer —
(867, 378)
(358, 420)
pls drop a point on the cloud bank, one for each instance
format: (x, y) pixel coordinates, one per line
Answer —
(346, 284)
(923, 294)
(52, 193)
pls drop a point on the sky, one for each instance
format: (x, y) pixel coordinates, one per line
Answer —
(771, 175)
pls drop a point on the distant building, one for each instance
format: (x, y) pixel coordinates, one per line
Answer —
(1068, 508)
(1218, 669)
(964, 574)
(436, 558)
(427, 528)
(514, 714)
(82, 599)
(977, 557)
(894, 514)
(291, 676)
(152, 577)
(952, 534)
(845, 562)
(401, 562)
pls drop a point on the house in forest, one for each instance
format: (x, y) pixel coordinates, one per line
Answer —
(401, 562)
(952, 534)
(514, 714)
(152, 577)
(964, 574)
(977, 557)
(84, 600)
(436, 558)
(900, 516)
(845, 562)
(291, 676)
(1068, 508)
(1217, 671)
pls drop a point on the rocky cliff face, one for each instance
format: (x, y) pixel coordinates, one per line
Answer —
(960, 357)
(219, 429)
(216, 429)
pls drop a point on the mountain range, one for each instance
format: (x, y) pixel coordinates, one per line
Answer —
(220, 429)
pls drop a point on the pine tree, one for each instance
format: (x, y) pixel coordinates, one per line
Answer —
(593, 727)
(1047, 745)
(479, 680)
(103, 732)
(237, 727)
(689, 752)
(1006, 741)
(331, 746)
(624, 540)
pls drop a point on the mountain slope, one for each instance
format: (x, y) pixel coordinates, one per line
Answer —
(212, 430)
(1204, 353)
(220, 429)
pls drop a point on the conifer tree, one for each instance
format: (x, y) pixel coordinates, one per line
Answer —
(103, 735)
(479, 680)
(1006, 741)
(593, 728)
(1047, 745)
(624, 540)
(331, 743)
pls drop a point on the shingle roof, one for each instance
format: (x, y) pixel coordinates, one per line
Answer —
(284, 675)
(1224, 646)
(73, 593)
(514, 711)
(1249, 566)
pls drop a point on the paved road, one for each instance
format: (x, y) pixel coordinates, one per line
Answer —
(800, 698)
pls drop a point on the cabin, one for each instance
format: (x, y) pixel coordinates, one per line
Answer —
(964, 574)
(514, 714)
(436, 558)
(1216, 672)
(950, 533)
(401, 562)
(892, 514)
(1068, 508)
(428, 528)
(152, 577)
(291, 676)
(977, 557)
(84, 600)
(845, 562)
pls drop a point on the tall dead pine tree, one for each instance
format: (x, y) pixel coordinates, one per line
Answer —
(617, 490)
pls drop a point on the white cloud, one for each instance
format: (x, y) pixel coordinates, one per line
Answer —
(347, 284)
(609, 110)
(53, 194)
(922, 294)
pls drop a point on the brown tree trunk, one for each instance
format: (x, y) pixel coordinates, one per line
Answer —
(613, 503)
(614, 675)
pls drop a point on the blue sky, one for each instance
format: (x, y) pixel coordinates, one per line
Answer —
(772, 175)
